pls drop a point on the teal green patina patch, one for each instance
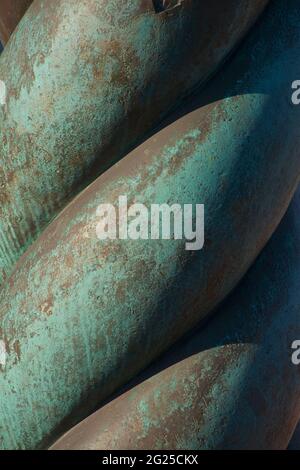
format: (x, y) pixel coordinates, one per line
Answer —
(111, 307)
(236, 387)
(86, 81)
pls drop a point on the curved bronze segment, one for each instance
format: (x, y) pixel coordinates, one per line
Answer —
(231, 385)
(117, 68)
(11, 11)
(84, 315)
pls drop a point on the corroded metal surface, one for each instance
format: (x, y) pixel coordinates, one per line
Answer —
(84, 316)
(86, 84)
(231, 385)
(11, 11)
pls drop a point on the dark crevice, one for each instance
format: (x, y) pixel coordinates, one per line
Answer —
(164, 5)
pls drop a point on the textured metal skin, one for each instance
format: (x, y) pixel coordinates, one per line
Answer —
(11, 11)
(86, 84)
(232, 384)
(84, 316)
(79, 316)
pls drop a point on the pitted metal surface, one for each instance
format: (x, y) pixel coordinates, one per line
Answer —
(86, 81)
(86, 316)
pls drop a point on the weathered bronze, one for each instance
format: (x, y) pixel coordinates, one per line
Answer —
(79, 316)
(231, 385)
(85, 81)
